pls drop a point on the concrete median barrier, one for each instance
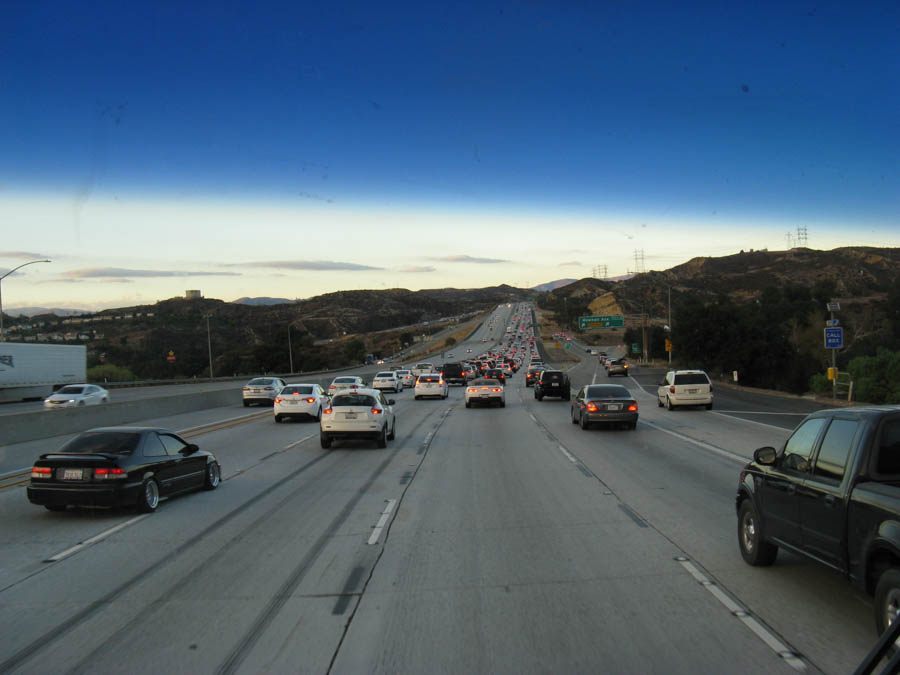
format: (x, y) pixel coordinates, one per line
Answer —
(47, 423)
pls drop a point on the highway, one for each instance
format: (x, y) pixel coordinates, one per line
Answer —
(481, 540)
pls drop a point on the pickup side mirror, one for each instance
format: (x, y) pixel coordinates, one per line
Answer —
(765, 455)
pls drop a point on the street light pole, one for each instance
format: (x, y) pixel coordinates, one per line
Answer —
(209, 347)
(290, 350)
(31, 262)
(670, 326)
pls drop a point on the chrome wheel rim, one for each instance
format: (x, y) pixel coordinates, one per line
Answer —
(749, 532)
(891, 606)
(151, 494)
(213, 473)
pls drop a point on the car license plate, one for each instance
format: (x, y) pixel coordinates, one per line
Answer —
(555, 384)
(485, 396)
(349, 416)
(73, 474)
(293, 402)
(692, 391)
(614, 406)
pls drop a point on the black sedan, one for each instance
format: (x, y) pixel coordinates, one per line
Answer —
(119, 466)
(611, 403)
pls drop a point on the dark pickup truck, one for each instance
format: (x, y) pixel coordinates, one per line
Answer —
(831, 494)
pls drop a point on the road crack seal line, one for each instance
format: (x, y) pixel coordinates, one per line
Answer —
(388, 525)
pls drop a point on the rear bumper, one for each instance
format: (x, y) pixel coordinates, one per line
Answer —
(682, 400)
(485, 400)
(600, 417)
(106, 495)
(356, 433)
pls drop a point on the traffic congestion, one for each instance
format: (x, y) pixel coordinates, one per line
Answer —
(356, 517)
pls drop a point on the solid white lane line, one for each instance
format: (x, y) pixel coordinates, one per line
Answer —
(567, 454)
(94, 539)
(379, 526)
(699, 444)
(533, 418)
(776, 645)
(594, 378)
(296, 443)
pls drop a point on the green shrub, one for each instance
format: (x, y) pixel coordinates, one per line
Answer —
(876, 379)
(820, 384)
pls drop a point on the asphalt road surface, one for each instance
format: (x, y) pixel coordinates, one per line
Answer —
(481, 540)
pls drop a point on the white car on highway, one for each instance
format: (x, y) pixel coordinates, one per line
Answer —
(262, 390)
(485, 391)
(421, 368)
(300, 401)
(685, 387)
(406, 377)
(387, 379)
(75, 396)
(360, 413)
(431, 384)
(346, 382)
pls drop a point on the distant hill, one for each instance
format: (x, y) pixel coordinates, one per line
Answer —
(261, 301)
(552, 285)
(34, 311)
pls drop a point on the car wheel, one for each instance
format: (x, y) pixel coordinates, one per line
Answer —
(574, 421)
(55, 507)
(568, 397)
(382, 439)
(659, 402)
(540, 397)
(246, 404)
(325, 441)
(148, 497)
(80, 404)
(669, 405)
(319, 415)
(213, 476)
(277, 419)
(502, 404)
(104, 400)
(393, 434)
(633, 426)
(709, 406)
(468, 405)
(754, 550)
(887, 599)
(416, 397)
(584, 423)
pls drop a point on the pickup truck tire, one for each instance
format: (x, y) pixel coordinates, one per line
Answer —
(754, 550)
(887, 599)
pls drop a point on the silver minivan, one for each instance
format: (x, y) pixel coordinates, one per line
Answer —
(685, 387)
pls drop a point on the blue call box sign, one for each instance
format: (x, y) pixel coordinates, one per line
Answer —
(834, 338)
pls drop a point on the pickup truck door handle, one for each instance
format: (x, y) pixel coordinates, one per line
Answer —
(831, 500)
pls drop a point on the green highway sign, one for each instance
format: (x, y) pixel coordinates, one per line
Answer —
(601, 321)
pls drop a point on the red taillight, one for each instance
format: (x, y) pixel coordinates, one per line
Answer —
(592, 407)
(496, 389)
(41, 472)
(310, 400)
(114, 472)
(710, 388)
(278, 399)
(376, 411)
(246, 388)
(633, 407)
(672, 389)
(268, 388)
(327, 411)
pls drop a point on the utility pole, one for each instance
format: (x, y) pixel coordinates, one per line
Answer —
(670, 326)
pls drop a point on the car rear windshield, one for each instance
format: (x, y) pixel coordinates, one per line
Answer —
(306, 389)
(483, 382)
(344, 380)
(555, 376)
(691, 378)
(352, 399)
(391, 375)
(607, 391)
(429, 378)
(260, 381)
(115, 442)
(71, 390)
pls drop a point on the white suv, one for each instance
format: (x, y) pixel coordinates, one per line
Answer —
(685, 387)
(387, 379)
(358, 413)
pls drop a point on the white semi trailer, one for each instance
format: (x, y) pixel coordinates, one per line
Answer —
(34, 371)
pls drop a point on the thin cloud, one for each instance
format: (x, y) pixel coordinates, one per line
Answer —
(418, 269)
(571, 263)
(24, 255)
(470, 259)
(118, 281)
(121, 273)
(315, 265)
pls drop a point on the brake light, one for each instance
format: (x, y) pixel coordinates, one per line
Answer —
(41, 472)
(496, 389)
(246, 388)
(591, 406)
(440, 381)
(278, 399)
(327, 411)
(633, 407)
(114, 472)
(310, 400)
(376, 411)
(710, 388)
(672, 389)
(268, 388)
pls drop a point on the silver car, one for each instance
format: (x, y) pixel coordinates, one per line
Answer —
(262, 390)
(75, 396)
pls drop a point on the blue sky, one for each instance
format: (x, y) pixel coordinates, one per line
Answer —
(297, 148)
